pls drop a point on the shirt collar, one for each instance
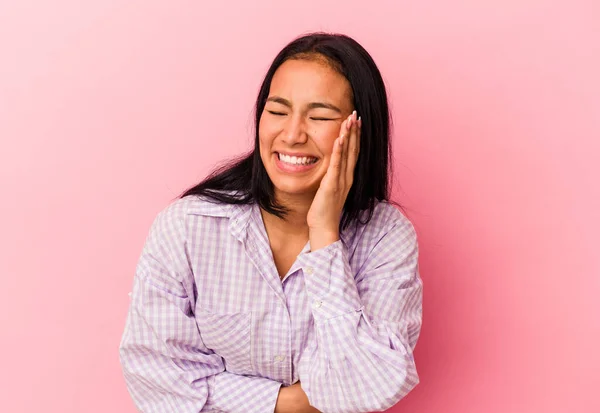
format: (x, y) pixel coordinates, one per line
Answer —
(238, 214)
(239, 217)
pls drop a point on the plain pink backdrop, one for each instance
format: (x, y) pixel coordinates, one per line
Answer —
(109, 109)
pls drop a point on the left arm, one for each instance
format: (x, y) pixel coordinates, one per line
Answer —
(366, 325)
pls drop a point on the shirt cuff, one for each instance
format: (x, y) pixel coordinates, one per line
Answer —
(229, 392)
(329, 282)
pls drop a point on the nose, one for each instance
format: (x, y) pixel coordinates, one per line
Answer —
(295, 130)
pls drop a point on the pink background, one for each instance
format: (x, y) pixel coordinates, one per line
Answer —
(109, 109)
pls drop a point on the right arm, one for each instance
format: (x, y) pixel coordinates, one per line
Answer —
(166, 366)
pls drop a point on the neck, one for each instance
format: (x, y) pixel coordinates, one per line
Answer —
(295, 220)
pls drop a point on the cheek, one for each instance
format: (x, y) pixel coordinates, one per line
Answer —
(266, 132)
(263, 135)
(325, 141)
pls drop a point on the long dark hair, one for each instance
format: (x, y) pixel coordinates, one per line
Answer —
(244, 180)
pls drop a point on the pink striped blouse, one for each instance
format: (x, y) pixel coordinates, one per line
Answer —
(211, 327)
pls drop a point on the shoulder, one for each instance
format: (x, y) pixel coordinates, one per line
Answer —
(388, 215)
(175, 216)
(387, 242)
(195, 205)
(387, 224)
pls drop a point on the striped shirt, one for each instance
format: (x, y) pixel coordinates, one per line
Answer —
(212, 327)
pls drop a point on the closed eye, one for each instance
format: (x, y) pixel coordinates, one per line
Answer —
(272, 112)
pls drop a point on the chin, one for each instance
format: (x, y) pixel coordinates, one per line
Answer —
(294, 190)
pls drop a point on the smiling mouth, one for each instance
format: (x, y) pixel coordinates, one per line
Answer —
(294, 160)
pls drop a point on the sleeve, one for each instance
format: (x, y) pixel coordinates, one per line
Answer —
(165, 364)
(367, 325)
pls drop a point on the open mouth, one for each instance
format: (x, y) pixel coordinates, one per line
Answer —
(294, 160)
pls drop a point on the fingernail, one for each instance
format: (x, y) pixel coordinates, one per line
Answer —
(349, 124)
(359, 122)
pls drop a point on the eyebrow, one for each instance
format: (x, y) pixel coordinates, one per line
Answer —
(312, 105)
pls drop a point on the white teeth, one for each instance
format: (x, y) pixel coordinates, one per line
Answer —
(294, 160)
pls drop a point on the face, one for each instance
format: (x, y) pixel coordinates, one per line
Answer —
(307, 103)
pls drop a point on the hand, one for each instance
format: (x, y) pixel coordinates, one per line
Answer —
(292, 399)
(326, 209)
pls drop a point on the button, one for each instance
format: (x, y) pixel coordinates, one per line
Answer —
(279, 358)
(309, 270)
(317, 304)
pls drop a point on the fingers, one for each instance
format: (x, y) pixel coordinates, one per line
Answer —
(335, 164)
(353, 149)
(345, 153)
(347, 137)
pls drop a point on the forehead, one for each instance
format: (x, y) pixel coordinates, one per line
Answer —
(305, 81)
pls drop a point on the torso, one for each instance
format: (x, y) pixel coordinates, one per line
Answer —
(285, 242)
(285, 253)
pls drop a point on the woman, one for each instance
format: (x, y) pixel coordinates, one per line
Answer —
(285, 281)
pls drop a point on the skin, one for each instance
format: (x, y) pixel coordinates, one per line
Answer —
(292, 123)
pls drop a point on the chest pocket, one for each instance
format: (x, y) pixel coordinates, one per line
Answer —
(229, 336)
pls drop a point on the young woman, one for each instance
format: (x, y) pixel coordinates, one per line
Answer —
(285, 281)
